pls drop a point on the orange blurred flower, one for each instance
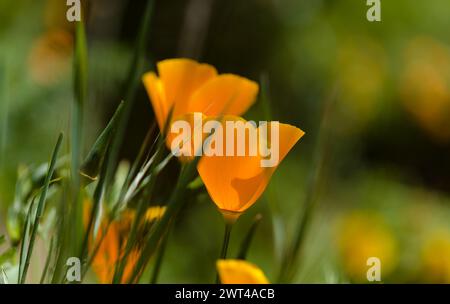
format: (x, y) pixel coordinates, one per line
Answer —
(188, 86)
(236, 182)
(240, 272)
(112, 246)
(50, 57)
(111, 249)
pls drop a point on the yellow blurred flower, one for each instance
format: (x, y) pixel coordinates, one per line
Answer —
(362, 235)
(425, 85)
(436, 258)
(240, 272)
(155, 213)
(236, 182)
(112, 246)
(188, 86)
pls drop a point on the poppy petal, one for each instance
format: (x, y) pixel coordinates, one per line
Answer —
(236, 182)
(225, 94)
(180, 78)
(220, 172)
(240, 272)
(155, 91)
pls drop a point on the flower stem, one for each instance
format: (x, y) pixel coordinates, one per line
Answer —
(226, 240)
(159, 258)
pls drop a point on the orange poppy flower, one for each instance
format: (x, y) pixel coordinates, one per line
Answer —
(111, 250)
(113, 244)
(240, 272)
(236, 182)
(188, 86)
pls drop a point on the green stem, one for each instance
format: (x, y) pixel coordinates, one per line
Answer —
(134, 76)
(140, 210)
(175, 204)
(290, 264)
(159, 259)
(226, 241)
(249, 237)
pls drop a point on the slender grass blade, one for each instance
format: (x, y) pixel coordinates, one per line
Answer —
(40, 208)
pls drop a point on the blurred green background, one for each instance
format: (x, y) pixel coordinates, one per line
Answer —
(386, 182)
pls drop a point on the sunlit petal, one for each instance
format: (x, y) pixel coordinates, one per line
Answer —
(240, 272)
(180, 78)
(156, 93)
(236, 182)
(225, 94)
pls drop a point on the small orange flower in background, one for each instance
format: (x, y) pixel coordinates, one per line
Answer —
(188, 86)
(240, 272)
(50, 57)
(111, 249)
(113, 244)
(236, 182)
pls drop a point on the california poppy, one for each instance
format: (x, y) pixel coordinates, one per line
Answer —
(236, 179)
(186, 86)
(236, 182)
(112, 246)
(240, 272)
(111, 249)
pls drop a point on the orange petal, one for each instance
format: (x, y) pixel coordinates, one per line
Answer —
(155, 91)
(180, 78)
(130, 264)
(240, 272)
(232, 181)
(225, 94)
(288, 136)
(107, 254)
(112, 247)
(220, 173)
